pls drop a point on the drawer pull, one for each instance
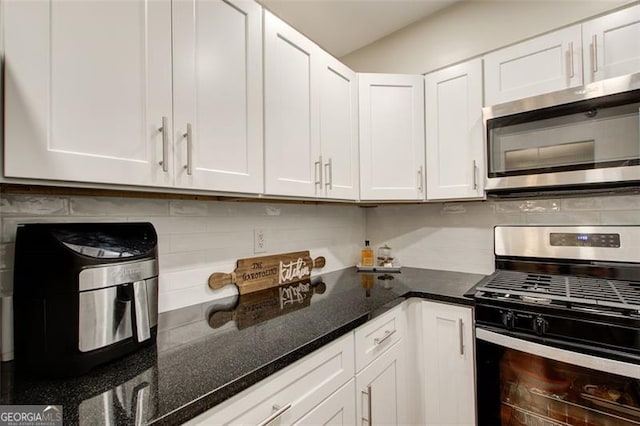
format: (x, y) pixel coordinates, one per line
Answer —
(279, 411)
(387, 334)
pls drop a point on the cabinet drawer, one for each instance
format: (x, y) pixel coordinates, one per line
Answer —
(338, 409)
(378, 335)
(293, 392)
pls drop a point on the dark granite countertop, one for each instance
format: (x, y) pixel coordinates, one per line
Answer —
(212, 351)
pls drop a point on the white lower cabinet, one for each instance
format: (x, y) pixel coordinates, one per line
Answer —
(381, 389)
(447, 355)
(361, 378)
(381, 385)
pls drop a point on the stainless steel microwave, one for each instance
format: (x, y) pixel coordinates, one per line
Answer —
(581, 137)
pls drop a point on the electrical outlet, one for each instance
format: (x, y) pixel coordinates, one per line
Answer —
(259, 241)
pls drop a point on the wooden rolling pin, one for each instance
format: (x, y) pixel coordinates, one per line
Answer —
(259, 273)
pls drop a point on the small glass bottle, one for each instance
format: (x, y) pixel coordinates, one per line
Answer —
(366, 255)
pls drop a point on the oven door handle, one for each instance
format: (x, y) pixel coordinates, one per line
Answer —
(558, 354)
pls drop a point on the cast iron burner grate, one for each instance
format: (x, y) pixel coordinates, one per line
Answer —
(583, 290)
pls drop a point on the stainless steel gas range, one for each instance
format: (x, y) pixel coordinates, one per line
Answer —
(558, 327)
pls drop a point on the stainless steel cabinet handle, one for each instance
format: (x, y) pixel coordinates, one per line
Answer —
(165, 144)
(279, 411)
(460, 330)
(318, 172)
(387, 334)
(420, 179)
(594, 53)
(189, 136)
(571, 68)
(368, 393)
(328, 172)
(474, 171)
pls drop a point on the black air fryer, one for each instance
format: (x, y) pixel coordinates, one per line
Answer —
(84, 294)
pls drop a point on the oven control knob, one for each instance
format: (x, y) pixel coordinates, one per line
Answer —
(509, 319)
(540, 325)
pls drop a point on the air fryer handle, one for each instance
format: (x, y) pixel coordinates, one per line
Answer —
(141, 310)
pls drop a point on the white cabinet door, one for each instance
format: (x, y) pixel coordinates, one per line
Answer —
(381, 389)
(87, 85)
(338, 128)
(454, 141)
(292, 145)
(339, 409)
(391, 136)
(540, 65)
(448, 357)
(612, 45)
(217, 47)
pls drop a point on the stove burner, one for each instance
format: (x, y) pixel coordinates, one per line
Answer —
(567, 289)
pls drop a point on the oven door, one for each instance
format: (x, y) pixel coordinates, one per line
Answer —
(526, 383)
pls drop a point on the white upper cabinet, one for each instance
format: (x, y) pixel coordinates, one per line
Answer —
(89, 93)
(87, 85)
(544, 64)
(454, 140)
(311, 133)
(217, 48)
(612, 45)
(338, 128)
(391, 136)
(292, 139)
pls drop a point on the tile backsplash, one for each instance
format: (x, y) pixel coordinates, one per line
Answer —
(196, 238)
(459, 236)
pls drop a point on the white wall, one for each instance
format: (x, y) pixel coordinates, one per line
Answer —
(459, 236)
(196, 238)
(470, 28)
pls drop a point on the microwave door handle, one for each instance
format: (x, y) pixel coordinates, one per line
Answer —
(141, 310)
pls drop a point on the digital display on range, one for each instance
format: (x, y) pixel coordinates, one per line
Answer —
(566, 239)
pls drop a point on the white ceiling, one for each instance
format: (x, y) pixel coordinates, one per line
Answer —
(343, 26)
